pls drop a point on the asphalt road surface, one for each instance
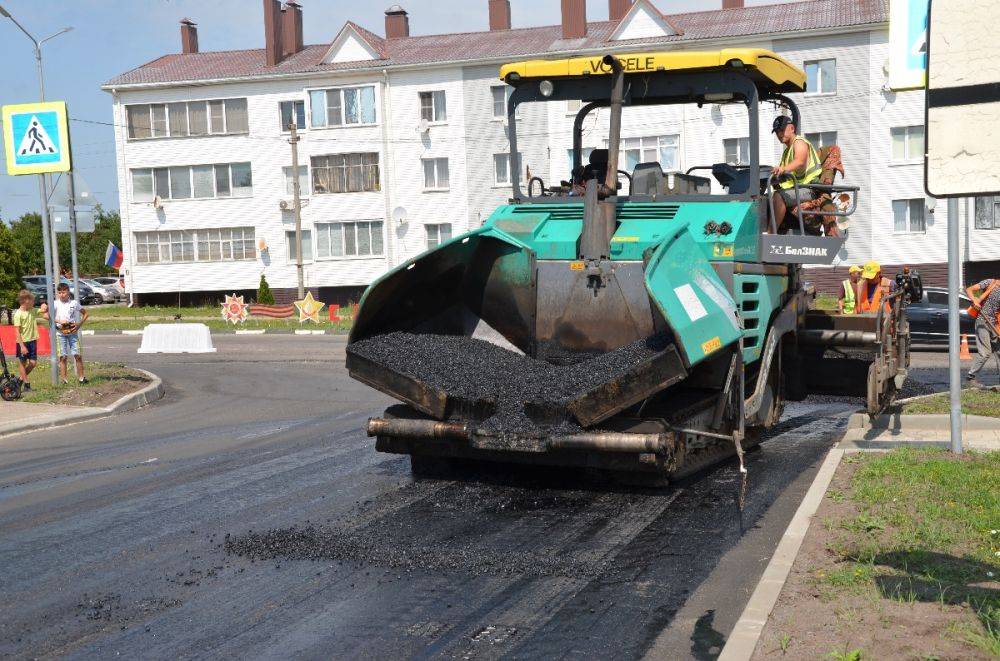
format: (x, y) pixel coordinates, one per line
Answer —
(113, 534)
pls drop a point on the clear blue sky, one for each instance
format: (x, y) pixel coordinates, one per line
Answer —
(113, 36)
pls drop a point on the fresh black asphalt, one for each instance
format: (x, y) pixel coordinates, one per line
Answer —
(113, 534)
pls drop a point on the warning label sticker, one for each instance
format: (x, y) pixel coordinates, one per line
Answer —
(689, 299)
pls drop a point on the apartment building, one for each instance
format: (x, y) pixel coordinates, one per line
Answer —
(403, 141)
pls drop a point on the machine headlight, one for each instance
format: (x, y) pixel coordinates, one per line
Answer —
(546, 88)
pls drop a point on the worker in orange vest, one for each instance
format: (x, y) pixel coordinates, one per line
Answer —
(987, 323)
(874, 289)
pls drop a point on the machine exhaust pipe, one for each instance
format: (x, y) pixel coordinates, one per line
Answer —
(599, 215)
(615, 132)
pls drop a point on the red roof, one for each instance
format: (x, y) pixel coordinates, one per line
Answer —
(516, 43)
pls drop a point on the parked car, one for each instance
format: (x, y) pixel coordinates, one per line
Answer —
(38, 291)
(929, 317)
(112, 284)
(87, 295)
(107, 294)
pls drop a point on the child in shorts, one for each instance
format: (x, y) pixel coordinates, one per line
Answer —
(26, 322)
(69, 316)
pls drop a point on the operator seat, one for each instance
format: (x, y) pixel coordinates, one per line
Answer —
(648, 179)
(735, 180)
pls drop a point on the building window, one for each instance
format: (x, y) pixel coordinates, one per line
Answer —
(433, 106)
(290, 182)
(662, 149)
(821, 76)
(988, 213)
(345, 173)
(192, 182)
(908, 215)
(435, 173)
(204, 245)
(186, 118)
(307, 246)
(349, 239)
(292, 111)
(437, 234)
(907, 143)
(502, 169)
(584, 156)
(500, 95)
(343, 106)
(822, 139)
(573, 106)
(737, 151)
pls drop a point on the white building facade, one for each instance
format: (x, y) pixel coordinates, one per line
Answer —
(403, 142)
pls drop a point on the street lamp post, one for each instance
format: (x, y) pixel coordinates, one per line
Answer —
(49, 244)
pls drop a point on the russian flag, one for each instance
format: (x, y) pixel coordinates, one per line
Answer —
(113, 256)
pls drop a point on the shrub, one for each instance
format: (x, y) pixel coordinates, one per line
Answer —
(264, 295)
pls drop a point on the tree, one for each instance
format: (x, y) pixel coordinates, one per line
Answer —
(26, 232)
(91, 246)
(264, 295)
(11, 268)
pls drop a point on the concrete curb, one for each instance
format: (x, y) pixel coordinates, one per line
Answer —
(130, 402)
(915, 422)
(743, 640)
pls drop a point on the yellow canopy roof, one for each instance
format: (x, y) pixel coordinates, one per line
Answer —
(771, 69)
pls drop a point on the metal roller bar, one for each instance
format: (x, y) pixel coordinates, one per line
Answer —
(418, 428)
(609, 442)
(838, 338)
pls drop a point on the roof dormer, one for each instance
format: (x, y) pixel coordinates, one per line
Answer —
(643, 21)
(354, 44)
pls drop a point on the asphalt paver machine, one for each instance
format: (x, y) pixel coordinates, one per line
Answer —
(650, 333)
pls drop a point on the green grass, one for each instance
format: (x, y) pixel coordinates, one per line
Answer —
(119, 317)
(98, 375)
(928, 530)
(974, 402)
(825, 302)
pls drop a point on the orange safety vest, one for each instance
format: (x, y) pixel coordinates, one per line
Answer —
(871, 305)
(974, 309)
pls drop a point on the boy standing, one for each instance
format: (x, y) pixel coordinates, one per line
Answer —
(26, 322)
(70, 316)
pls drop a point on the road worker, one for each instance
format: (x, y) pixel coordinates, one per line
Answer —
(873, 289)
(799, 164)
(987, 323)
(849, 291)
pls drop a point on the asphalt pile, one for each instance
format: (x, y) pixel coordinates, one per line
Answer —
(478, 372)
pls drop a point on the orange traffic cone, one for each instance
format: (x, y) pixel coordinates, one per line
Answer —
(963, 352)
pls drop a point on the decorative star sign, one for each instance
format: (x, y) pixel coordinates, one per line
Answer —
(309, 308)
(234, 309)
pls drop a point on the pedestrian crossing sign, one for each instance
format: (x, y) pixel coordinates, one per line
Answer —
(36, 138)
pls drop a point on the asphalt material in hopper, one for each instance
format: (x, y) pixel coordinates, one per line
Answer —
(474, 371)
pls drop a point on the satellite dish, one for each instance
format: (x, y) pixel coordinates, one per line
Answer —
(399, 215)
(157, 202)
(424, 126)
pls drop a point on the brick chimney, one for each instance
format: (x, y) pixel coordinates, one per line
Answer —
(272, 32)
(618, 8)
(574, 19)
(732, 4)
(189, 36)
(397, 23)
(499, 15)
(291, 29)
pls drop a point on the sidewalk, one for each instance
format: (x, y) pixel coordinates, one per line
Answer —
(20, 417)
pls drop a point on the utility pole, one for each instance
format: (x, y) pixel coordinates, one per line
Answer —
(297, 205)
(954, 366)
(50, 249)
(71, 188)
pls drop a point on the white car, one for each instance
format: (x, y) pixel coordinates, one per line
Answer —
(113, 285)
(106, 293)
